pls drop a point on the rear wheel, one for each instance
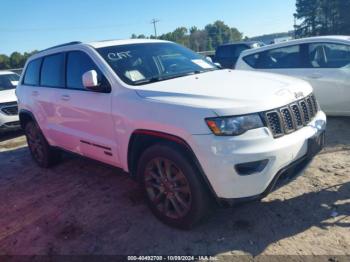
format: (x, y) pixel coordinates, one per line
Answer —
(43, 154)
(175, 193)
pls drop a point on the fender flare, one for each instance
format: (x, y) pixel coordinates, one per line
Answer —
(177, 140)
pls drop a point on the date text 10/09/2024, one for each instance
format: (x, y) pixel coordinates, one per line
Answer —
(172, 258)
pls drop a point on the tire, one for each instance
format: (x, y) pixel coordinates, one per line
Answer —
(43, 154)
(174, 191)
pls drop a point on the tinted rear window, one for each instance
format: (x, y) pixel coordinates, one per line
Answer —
(32, 74)
(230, 50)
(52, 72)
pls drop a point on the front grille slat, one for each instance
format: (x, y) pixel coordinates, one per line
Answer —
(310, 107)
(10, 110)
(292, 117)
(305, 112)
(288, 121)
(314, 103)
(297, 115)
(274, 122)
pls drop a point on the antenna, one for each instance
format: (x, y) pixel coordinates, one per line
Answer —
(154, 22)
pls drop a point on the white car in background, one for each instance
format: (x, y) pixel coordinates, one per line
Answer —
(323, 61)
(8, 101)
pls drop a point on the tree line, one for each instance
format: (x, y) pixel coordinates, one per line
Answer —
(205, 39)
(322, 17)
(15, 60)
(199, 40)
(313, 17)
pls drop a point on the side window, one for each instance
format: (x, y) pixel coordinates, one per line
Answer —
(329, 55)
(78, 63)
(279, 58)
(32, 73)
(252, 60)
(52, 71)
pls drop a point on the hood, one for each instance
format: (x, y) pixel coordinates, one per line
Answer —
(8, 96)
(228, 92)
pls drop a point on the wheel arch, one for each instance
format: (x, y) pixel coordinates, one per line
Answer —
(25, 116)
(142, 139)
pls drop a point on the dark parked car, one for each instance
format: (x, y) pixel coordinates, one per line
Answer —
(227, 55)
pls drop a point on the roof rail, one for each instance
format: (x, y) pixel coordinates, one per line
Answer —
(66, 44)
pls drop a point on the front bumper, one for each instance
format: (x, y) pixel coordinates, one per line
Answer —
(218, 157)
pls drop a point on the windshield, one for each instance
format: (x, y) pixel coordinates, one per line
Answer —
(138, 64)
(8, 81)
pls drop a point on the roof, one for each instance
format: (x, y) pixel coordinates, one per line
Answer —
(331, 38)
(242, 43)
(97, 44)
(106, 43)
(6, 72)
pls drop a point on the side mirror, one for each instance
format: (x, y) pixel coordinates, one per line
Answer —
(90, 80)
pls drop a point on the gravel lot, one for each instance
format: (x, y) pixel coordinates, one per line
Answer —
(84, 207)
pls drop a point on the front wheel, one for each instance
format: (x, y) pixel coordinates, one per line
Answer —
(43, 154)
(174, 190)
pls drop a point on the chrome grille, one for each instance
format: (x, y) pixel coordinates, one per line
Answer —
(274, 123)
(10, 109)
(292, 117)
(314, 103)
(310, 107)
(306, 116)
(297, 115)
(287, 120)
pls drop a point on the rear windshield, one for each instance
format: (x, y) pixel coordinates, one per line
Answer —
(8, 81)
(230, 51)
(138, 64)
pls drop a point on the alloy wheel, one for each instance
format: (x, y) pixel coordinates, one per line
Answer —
(35, 143)
(167, 188)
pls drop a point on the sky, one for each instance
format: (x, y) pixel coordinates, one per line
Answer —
(27, 25)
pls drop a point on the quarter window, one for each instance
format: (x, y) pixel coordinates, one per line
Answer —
(78, 63)
(329, 55)
(32, 73)
(52, 72)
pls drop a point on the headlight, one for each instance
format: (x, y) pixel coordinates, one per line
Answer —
(235, 125)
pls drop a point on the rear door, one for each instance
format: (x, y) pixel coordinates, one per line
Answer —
(84, 117)
(329, 73)
(325, 66)
(38, 96)
(52, 80)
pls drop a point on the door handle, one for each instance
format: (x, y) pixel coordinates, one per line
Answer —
(65, 97)
(315, 76)
(35, 93)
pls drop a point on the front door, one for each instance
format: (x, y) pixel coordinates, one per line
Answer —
(84, 116)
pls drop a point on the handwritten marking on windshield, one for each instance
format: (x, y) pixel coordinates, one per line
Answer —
(119, 56)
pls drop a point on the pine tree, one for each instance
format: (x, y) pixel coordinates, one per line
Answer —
(322, 17)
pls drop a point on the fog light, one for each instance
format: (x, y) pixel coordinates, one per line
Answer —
(250, 168)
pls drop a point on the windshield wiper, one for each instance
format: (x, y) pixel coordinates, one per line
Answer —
(162, 78)
(148, 80)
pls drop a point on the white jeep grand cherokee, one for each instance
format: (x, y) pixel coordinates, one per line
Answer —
(188, 131)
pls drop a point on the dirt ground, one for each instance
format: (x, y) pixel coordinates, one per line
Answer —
(83, 207)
